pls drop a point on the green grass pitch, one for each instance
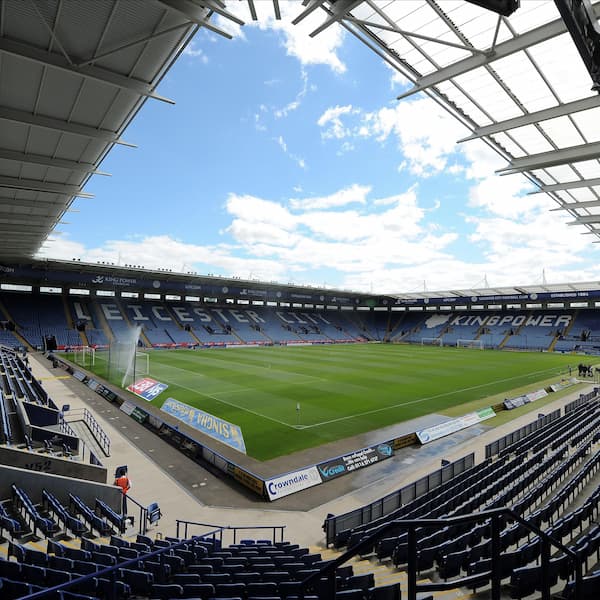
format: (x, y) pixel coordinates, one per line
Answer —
(342, 390)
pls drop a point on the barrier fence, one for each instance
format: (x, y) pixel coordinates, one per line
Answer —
(83, 414)
(583, 398)
(388, 504)
(497, 446)
(228, 534)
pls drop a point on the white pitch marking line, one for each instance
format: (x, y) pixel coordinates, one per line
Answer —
(257, 414)
(376, 410)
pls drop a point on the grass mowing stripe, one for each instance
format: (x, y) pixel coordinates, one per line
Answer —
(244, 408)
(343, 390)
(474, 387)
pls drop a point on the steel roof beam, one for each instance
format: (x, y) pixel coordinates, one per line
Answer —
(19, 229)
(57, 61)
(586, 219)
(5, 201)
(9, 217)
(47, 161)
(523, 41)
(43, 186)
(577, 205)
(102, 135)
(567, 185)
(22, 234)
(534, 117)
(337, 13)
(198, 15)
(552, 158)
(305, 13)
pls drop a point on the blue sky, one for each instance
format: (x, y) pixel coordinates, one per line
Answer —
(288, 158)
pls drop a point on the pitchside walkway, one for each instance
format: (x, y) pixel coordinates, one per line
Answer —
(185, 490)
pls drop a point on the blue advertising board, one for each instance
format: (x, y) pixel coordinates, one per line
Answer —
(223, 431)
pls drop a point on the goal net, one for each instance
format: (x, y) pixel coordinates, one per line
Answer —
(125, 361)
(470, 344)
(431, 341)
(84, 356)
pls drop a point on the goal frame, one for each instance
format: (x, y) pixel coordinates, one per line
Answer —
(475, 344)
(142, 363)
(432, 341)
(81, 352)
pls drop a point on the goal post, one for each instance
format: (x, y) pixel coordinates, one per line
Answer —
(142, 363)
(431, 341)
(478, 344)
(84, 356)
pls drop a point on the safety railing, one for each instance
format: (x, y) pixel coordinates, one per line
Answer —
(142, 525)
(183, 528)
(391, 502)
(110, 573)
(497, 517)
(83, 414)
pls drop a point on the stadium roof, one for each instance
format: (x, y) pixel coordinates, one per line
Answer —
(73, 75)
(559, 289)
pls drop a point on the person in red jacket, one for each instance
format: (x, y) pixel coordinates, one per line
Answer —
(123, 481)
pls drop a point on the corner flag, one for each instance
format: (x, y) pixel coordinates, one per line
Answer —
(298, 406)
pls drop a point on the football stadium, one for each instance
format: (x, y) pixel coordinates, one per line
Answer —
(166, 432)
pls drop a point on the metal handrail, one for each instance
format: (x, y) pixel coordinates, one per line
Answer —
(412, 524)
(95, 429)
(142, 527)
(274, 529)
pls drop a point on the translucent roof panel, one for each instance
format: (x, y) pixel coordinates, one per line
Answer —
(518, 82)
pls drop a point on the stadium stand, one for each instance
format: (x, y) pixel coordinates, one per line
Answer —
(548, 478)
(182, 324)
(583, 335)
(84, 315)
(40, 316)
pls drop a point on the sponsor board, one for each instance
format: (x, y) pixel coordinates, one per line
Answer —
(218, 429)
(356, 460)
(284, 485)
(127, 407)
(556, 387)
(247, 479)
(147, 388)
(533, 396)
(448, 427)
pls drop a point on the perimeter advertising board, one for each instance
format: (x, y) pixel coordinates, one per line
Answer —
(356, 460)
(293, 482)
(219, 429)
(454, 425)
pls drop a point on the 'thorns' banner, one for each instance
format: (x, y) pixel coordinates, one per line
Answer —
(223, 431)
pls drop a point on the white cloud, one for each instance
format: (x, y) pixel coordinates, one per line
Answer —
(332, 122)
(426, 135)
(194, 51)
(397, 79)
(354, 194)
(319, 50)
(383, 244)
(284, 147)
(294, 104)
